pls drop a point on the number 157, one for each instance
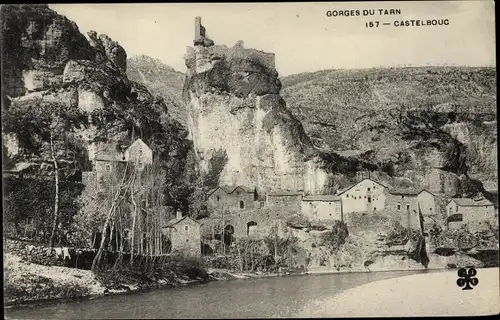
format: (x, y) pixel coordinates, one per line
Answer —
(371, 24)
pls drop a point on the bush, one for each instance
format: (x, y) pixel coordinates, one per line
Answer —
(298, 221)
(335, 238)
(399, 235)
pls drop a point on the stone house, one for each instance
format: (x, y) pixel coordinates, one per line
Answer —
(427, 203)
(233, 198)
(109, 159)
(184, 234)
(429, 209)
(365, 196)
(467, 211)
(288, 202)
(403, 202)
(106, 159)
(323, 207)
(139, 153)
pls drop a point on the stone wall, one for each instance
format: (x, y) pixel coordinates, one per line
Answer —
(219, 200)
(186, 241)
(281, 201)
(33, 253)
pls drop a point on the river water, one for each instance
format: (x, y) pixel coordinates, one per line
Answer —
(242, 298)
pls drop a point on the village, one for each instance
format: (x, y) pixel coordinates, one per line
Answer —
(240, 211)
(275, 171)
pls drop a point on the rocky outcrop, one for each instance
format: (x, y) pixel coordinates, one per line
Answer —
(160, 80)
(47, 64)
(233, 101)
(428, 125)
(37, 43)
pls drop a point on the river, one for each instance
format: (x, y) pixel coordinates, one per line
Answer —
(242, 298)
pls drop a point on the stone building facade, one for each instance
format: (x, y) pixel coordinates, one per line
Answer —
(365, 196)
(403, 203)
(109, 160)
(469, 212)
(184, 234)
(232, 198)
(327, 207)
(139, 153)
(287, 201)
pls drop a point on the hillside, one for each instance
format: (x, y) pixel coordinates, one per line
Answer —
(353, 109)
(160, 79)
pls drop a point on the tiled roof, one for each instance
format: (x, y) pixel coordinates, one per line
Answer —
(231, 189)
(339, 192)
(284, 193)
(405, 191)
(322, 198)
(469, 202)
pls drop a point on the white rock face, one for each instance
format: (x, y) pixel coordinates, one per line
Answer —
(89, 101)
(11, 143)
(459, 131)
(255, 157)
(233, 106)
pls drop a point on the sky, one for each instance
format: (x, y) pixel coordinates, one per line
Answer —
(301, 35)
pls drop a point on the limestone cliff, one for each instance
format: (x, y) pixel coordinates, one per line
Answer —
(233, 101)
(47, 62)
(433, 126)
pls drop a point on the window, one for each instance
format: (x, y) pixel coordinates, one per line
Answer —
(242, 204)
(407, 207)
(402, 197)
(218, 198)
(369, 199)
(368, 189)
(456, 208)
(108, 167)
(374, 208)
(140, 165)
(186, 228)
(430, 209)
(329, 203)
(399, 206)
(347, 195)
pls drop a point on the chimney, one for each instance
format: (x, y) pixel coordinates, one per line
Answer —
(179, 214)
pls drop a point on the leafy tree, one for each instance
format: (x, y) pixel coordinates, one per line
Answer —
(215, 166)
(44, 131)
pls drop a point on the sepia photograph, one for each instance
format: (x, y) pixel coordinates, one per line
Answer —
(249, 160)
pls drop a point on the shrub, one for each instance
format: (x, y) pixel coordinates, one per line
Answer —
(399, 235)
(335, 238)
(298, 221)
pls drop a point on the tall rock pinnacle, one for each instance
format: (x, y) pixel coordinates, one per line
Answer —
(234, 105)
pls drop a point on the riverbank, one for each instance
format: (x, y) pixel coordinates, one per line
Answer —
(29, 283)
(430, 294)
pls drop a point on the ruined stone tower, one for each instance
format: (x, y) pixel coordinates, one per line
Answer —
(200, 34)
